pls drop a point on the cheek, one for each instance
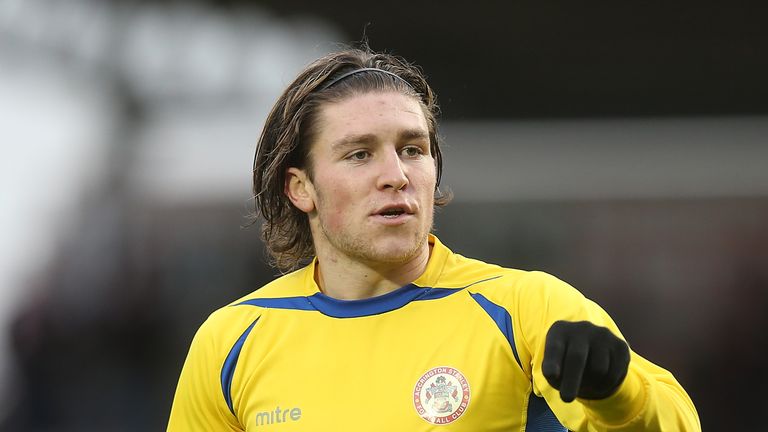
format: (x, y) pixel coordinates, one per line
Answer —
(428, 182)
(427, 179)
(336, 206)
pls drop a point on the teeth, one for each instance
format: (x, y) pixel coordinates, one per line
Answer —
(392, 213)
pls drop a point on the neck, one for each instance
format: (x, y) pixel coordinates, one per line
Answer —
(344, 278)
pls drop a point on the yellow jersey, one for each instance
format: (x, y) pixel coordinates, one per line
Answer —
(458, 349)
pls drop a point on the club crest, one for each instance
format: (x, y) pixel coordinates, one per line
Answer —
(441, 395)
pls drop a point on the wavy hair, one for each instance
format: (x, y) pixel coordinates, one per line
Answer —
(292, 124)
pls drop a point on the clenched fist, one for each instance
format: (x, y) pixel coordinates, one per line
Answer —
(584, 360)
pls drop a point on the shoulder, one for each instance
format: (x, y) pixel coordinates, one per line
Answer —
(500, 282)
(229, 322)
(299, 283)
(524, 294)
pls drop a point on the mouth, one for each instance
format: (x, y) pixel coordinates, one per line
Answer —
(394, 211)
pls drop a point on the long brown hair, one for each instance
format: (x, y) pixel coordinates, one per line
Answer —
(291, 125)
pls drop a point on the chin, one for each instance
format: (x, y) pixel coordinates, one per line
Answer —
(372, 245)
(398, 249)
(392, 256)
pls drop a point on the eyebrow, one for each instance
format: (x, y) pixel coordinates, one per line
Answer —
(410, 134)
(404, 135)
(353, 139)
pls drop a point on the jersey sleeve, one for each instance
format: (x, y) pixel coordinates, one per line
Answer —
(649, 399)
(199, 404)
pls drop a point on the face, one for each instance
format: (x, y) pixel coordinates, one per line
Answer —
(371, 195)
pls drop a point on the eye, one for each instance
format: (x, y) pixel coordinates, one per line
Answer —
(412, 151)
(359, 155)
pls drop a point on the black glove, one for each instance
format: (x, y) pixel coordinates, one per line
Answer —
(584, 360)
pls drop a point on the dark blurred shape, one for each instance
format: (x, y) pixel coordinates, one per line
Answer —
(102, 348)
(565, 59)
(686, 280)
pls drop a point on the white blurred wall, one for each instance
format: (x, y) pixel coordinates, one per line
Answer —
(593, 159)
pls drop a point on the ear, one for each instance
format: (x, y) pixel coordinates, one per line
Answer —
(299, 189)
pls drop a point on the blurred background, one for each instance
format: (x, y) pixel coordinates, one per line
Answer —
(621, 146)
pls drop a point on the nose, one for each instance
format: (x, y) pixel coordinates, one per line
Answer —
(392, 174)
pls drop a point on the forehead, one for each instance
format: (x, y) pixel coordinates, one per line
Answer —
(376, 113)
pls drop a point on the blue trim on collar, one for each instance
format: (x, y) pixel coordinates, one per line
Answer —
(295, 303)
(377, 305)
(358, 308)
(228, 368)
(354, 308)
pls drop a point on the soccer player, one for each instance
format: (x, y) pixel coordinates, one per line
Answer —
(381, 327)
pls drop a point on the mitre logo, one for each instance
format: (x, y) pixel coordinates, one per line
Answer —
(441, 395)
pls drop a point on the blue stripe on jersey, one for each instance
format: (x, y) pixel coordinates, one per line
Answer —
(296, 303)
(358, 308)
(377, 305)
(502, 319)
(540, 417)
(228, 369)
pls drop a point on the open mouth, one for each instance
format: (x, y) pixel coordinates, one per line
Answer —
(392, 213)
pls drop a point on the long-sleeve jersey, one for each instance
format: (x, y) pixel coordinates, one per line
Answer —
(458, 349)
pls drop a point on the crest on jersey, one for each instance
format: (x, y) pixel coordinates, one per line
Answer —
(441, 395)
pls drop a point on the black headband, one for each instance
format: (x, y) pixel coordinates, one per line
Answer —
(356, 71)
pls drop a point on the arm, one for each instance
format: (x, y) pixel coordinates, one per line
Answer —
(198, 404)
(646, 398)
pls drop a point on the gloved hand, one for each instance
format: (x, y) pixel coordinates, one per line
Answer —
(584, 360)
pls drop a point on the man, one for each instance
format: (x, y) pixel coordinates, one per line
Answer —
(386, 329)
